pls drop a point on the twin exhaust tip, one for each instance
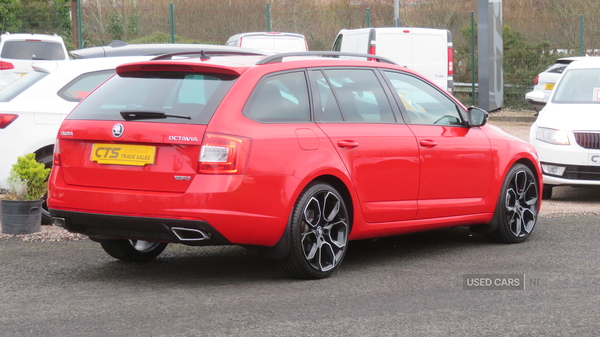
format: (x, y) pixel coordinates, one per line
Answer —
(182, 233)
(58, 222)
(190, 234)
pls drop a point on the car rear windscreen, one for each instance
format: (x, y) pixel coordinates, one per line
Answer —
(180, 97)
(33, 50)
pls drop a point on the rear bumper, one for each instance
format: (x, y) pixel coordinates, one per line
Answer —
(103, 226)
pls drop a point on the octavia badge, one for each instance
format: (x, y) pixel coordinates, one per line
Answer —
(117, 130)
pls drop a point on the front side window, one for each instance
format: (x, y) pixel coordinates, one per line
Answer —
(166, 97)
(422, 102)
(81, 86)
(359, 94)
(281, 98)
(579, 86)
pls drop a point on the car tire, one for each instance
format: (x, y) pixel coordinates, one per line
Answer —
(547, 192)
(47, 160)
(319, 228)
(517, 210)
(133, 250)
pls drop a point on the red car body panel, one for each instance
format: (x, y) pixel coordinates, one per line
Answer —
(397, 178)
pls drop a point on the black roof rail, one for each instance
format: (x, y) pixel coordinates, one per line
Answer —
(206, 54)
(279, 57)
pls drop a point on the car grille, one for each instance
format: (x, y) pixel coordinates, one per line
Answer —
(588, 140)
(582, 172)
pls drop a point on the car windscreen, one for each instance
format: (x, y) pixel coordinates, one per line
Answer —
(33, 50)
(578, 86)
(163, 97)
(15, 88)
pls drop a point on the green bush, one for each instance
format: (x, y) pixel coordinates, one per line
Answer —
(27, 179)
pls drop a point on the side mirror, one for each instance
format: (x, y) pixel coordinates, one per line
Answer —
(477, 116)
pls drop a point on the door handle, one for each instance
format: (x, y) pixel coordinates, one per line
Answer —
(347, 144)
(427, 143)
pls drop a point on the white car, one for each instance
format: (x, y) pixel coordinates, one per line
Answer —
(566, 134)
(33, 107)
(18, 51)
(544, 82)
(269, 41)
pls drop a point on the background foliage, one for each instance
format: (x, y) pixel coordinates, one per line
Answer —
(536, 32)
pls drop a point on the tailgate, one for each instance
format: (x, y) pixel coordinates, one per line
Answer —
(146, 157)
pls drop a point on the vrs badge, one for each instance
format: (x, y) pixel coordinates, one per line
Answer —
(117, 130)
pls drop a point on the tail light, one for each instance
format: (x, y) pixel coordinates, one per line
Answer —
(536, 80)
(6, 119)
(6, 65)
(56, 157)
(450, 62)
(224, 154)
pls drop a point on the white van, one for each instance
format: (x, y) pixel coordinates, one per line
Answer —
(269, 41)
(425, 50)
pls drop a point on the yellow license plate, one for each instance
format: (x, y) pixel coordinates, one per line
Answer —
(136, 155)
(549, 86)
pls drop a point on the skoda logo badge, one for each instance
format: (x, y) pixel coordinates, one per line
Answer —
(118, 130)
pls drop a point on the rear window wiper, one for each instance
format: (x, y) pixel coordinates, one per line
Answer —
(130, 115)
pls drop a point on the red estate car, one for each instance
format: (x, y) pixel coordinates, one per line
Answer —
(290, 153)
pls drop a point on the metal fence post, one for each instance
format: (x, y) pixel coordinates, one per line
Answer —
(473, 58)
(172, 12)
(581, 47)
(268, 16)
(368, 17)
(79, 30)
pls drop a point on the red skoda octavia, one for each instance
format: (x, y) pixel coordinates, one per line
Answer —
(291, 153)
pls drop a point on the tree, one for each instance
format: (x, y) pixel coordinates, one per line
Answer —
(9, 12)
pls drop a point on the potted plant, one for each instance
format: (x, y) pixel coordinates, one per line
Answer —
(21, 208)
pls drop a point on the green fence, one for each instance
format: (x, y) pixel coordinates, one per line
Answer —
(533, 37)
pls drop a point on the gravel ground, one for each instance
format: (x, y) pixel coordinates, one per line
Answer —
(566, 201)
(46, 234)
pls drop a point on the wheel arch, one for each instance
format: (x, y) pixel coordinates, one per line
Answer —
(44, 151)
(282, 247)
(529, 163)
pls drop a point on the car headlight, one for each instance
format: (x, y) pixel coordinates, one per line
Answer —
(553, 136)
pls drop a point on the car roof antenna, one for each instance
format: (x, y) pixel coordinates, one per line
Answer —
(203, 56)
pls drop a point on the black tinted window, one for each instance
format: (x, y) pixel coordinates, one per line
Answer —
(360, 95)
(33, 50)
(329, 108)
(422, 103)
(184, 95)
(280, 98)
(557, 70)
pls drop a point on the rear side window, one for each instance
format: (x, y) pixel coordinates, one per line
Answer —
(81, 86)
(280, 98)
(184, 97)
(15, 88)
(33, 50)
